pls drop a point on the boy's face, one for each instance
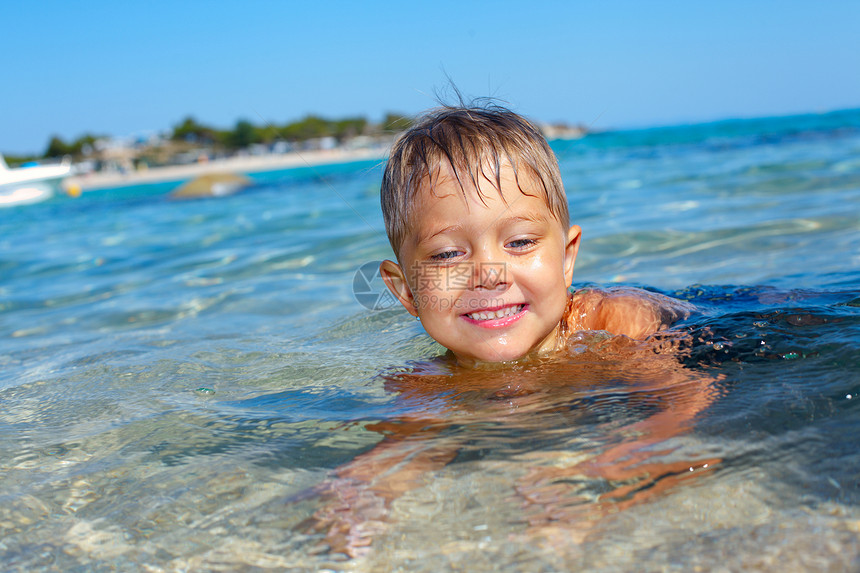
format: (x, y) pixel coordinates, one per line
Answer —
(488, 275)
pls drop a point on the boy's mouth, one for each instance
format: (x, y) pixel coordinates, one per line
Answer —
(496, 317)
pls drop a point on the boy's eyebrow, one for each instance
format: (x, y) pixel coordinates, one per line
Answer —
(524, 217)
(504, 221)
(429, 235)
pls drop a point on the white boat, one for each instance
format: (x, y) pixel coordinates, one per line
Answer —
(31, 184)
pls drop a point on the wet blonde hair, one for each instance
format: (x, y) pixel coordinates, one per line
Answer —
(475, 141)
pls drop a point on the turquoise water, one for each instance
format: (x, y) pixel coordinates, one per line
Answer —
(194, 386)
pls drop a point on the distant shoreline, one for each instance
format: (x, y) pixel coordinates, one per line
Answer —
(239, 165)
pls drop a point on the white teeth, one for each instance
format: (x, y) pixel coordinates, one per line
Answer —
(493, 314)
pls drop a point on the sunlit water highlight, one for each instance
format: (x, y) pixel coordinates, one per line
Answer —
(181, 380)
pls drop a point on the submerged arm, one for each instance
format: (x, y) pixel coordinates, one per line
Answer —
(640, 463)
(360, 494)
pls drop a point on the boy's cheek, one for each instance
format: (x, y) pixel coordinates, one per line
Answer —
(433, 303)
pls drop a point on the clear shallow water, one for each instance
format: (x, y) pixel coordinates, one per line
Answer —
(182, 380)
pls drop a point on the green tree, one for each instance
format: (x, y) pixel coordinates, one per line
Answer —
(268, 133)
(395, 122)
(78, 148)
(308, 128)
(349, 127)
(83, 145)
(56, 147)
(191, 131)
(243, 135)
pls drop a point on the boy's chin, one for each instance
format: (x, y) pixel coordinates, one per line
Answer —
(492, 356)
(506, 353)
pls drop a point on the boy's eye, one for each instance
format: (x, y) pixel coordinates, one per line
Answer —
(445, 255)
(520, 243)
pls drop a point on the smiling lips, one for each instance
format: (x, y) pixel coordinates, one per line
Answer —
(498, 317)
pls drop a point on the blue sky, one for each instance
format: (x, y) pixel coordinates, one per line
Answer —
(119, 68)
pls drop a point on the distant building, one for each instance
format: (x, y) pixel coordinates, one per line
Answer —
(563, 131)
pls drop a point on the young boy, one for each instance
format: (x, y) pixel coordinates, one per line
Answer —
(477, 215)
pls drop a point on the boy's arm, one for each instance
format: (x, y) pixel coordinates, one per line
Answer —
(358, 496)
(625, 310)
(639, 461)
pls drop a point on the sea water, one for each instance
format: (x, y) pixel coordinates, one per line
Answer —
(183, 383)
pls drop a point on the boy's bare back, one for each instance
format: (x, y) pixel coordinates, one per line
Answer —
(623, 311)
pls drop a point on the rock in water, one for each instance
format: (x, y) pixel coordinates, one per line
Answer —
(211, 185)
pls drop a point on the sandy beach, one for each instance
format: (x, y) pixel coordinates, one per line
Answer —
(237, 165)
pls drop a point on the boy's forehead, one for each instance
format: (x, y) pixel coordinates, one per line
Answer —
(485, 178)
(445, 191)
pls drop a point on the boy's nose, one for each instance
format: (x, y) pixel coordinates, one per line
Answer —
(489, 274)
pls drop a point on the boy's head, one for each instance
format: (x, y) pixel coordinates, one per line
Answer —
(476, 212)
(474, 142)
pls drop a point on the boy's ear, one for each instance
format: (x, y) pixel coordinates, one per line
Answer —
(574, 234)
(395, 280)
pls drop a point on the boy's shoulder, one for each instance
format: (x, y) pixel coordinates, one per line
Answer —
(630, 311)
